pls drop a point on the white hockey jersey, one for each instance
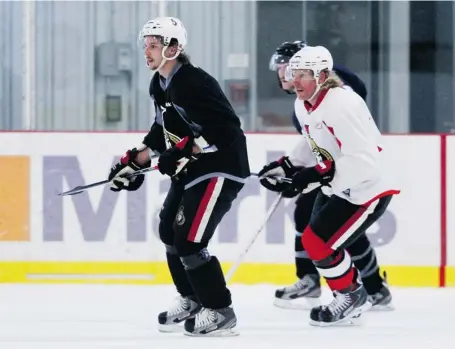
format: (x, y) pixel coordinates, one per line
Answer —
(339, 127)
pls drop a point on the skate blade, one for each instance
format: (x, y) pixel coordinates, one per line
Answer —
(295, 304)
(379, 307)
(173, 328)
(356, 321)
(229, 332)
(353, 319)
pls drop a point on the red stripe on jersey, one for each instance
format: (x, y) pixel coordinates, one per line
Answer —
(321, 96)
(332, 131)
(386, 193)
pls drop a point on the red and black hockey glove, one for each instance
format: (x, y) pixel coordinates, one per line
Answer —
(317, 174)
(173, 158)
(125, 166)
(281, 168)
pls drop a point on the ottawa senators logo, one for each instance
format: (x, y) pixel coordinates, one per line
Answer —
(172, 138)
(180, 218)
(320, 153)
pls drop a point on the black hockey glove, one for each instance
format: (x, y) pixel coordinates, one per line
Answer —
(281, 168)
(306, 176)
(125, 166)
(174, 159)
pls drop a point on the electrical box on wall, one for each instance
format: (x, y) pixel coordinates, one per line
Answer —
(125, 57)
(113, 58)
(113, 108)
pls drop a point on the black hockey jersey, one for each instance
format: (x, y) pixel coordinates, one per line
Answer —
(190, 102)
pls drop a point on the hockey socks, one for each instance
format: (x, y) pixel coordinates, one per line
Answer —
(179, 275)
(209, 284)
(335, 266)
(303, 263)
(364, 258)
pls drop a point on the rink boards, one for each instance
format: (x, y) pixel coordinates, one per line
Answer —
(101, 236)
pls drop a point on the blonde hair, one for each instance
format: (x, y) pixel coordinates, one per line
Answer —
(332, 81)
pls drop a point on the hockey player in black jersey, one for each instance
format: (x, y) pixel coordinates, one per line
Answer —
(192, 115)
(307, 289)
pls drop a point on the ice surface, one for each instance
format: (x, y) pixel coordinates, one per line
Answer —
(101, 316)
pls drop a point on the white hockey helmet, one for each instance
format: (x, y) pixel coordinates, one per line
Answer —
(314, 58)
(167, 28)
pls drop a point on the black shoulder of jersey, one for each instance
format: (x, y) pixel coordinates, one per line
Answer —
(153, 82)
(296, 123)
(190, 76)
(351, 79)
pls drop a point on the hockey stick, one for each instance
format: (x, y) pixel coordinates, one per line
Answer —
(240, 258)
(310, 187)
(82, 188)
(314, 149)
(277, 178)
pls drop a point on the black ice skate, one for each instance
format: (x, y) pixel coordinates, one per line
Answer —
(345, 306)
(303, 295)
(183, 308)
(382, 300)
(212, 323)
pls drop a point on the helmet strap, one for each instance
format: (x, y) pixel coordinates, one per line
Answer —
(165, 59)
(318, 86)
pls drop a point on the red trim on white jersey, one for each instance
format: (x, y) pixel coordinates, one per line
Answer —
(321, 96)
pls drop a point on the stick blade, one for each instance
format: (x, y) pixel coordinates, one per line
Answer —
(73, 191)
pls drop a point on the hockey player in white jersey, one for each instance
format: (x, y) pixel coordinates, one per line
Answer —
(306, 291)
(340, 150)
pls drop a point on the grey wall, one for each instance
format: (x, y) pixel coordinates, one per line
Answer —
(69, 91)
(10, 65)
